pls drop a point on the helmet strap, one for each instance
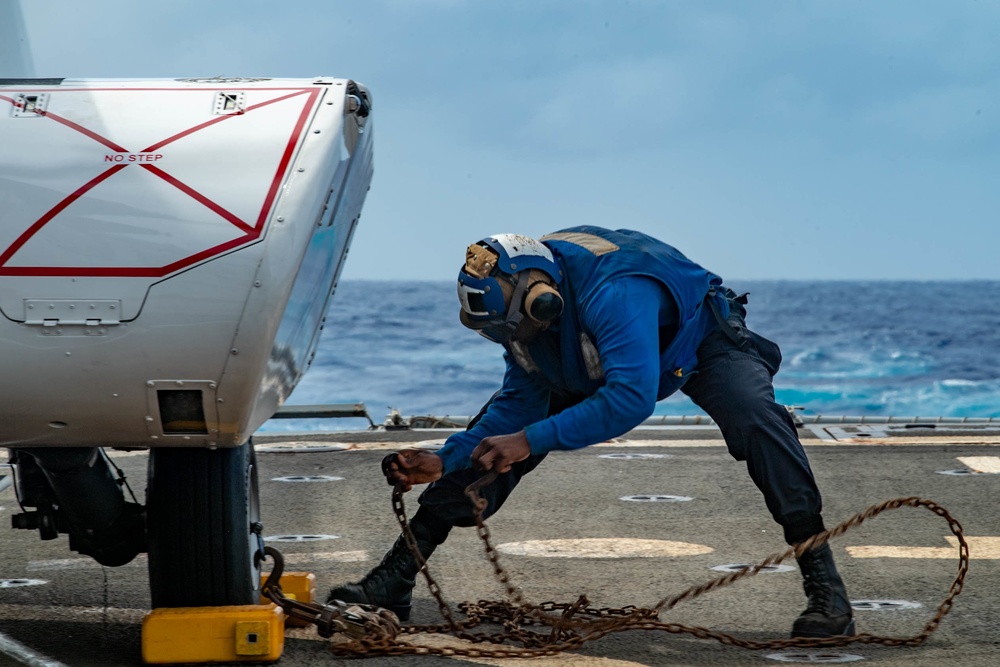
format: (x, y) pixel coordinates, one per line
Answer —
(514, 314)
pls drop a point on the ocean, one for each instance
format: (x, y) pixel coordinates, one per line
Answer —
(852, 348)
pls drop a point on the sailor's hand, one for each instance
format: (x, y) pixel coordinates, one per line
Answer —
(500, 452)
(412, 466)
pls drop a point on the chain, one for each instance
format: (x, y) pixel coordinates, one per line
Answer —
(360, 621)
(536, 630)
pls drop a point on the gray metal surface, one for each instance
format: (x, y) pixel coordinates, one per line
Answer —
(88, 616)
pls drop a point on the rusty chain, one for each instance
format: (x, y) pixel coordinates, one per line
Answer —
(354, 620)
(552, 627)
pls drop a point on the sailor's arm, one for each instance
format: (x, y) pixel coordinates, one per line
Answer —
(521, 401)
(624, 318)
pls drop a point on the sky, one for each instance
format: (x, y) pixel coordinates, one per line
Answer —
(782, 139)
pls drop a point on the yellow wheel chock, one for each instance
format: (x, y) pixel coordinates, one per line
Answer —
(244, 633)
(299, 586)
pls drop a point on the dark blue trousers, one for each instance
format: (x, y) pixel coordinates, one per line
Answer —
(733, 384)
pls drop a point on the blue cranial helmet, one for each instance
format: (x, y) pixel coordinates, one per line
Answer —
(500, 275)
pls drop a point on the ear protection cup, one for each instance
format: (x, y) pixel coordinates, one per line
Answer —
(543, 303)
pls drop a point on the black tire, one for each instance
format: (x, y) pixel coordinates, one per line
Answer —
(200, 508)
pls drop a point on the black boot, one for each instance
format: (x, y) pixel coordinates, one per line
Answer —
(390, 583)
(829, 611)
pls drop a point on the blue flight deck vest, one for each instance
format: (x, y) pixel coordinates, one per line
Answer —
(592, 256)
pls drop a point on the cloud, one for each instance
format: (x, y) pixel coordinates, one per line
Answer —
(812, 132)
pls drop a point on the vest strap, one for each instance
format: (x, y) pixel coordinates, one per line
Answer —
(738, 336)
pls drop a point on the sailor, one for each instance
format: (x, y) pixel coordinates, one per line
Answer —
(597, 326)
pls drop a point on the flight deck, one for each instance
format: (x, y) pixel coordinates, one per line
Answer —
(627, 522)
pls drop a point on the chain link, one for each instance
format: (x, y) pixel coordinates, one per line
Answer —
(536, 630)
(360, 621)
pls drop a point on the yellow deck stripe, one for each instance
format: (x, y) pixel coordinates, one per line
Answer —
(980, 548)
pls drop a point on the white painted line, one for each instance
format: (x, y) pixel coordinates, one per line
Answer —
(611, 547)
(296, 447)
(814, 656)
(655, 498)
(334, 556)
(348, 447)
(980, 548)
(21, 583)
(62, 564)
(140, 560)
(76, 614)
(25, 655)
(740, 567)
(433, 444)
(883, 605)
(700, 442)
(927, 440)
(629, 456)
(300, 538)
(989, 464)
(78, 564)
(308, 478)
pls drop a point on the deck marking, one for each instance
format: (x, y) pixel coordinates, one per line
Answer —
(434, 444)
(700, 442)
(655, 498)
(741, 567)
(62, 564)
(927, 440)
(626, 456)
(140, 560)
(884, 605)
(308, 478)
(607, 547)
(300, 447)
(21, 583)
(335, 556)
(78, 564)
(814, 656)
(25, 655)
(312, 537)
(76, 614)
(987, 464)
(980, 548)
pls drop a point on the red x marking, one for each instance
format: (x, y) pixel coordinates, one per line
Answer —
(250, 231)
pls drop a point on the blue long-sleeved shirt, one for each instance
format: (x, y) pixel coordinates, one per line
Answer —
(625, 317)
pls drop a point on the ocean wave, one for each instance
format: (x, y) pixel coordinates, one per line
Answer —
(817, 363)
(851, 348)
(945, 398)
